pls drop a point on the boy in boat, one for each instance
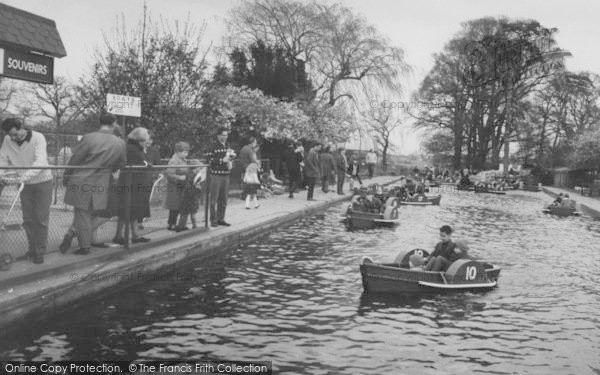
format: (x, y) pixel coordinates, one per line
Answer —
(371, 203)
(568, 202)
(557, 201)
(445, 252)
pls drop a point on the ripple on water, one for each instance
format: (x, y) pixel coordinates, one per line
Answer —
(295, 297)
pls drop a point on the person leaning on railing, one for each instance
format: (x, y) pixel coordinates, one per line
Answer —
(99, 217)
(137, 184)
(176, 177)
(88, 188)
(27, 148)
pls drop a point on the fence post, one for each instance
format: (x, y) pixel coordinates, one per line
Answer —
(127, 207)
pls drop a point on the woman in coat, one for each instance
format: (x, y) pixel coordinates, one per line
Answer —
(312, 170)
(327, 168)
(293, 162)
(176, 182)
(136, 184)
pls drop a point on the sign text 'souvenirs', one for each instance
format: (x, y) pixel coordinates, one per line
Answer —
(27, 66)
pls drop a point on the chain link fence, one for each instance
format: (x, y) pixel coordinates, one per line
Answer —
(13, 239)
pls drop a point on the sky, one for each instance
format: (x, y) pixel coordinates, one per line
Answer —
(420, 27)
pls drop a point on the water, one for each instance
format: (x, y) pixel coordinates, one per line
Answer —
(295, 298)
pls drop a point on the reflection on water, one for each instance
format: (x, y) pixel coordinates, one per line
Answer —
(295, 297)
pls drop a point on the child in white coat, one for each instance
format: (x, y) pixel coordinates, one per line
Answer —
(251, 184)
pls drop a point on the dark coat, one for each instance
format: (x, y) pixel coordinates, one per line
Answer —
(175, 187)
(327, 164)
(292, 163)
(140, 184)
(191, 195)
(341, 165)
(313, 165)
(88, 189)
(247, 156)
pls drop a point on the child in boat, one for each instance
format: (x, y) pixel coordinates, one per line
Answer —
(567, 202)
(445, 252)
(371, 203)
(558, 200)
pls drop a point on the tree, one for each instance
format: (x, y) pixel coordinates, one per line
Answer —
(586, 154)
(439, 146)
(481, 77)
(56, 102)
(162, 64)
(340, 48)
(560, 111)
(271, 69)
(352, 51)
(7, 92)
(246, 111)
(292, 25)
(382, 119)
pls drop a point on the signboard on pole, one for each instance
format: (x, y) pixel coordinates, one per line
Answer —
(124, 105)
(26, 66)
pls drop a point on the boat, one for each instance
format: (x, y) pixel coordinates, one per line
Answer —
(397, 277)
(561, 211)
(422, 200)
(465, 187)
(361, 219)
(487, 190)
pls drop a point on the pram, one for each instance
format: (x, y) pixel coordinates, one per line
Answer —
(6, 259)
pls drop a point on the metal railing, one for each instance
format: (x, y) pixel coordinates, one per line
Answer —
(13, 239)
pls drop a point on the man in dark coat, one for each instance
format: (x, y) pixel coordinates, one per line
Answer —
(293, 161)
(312, 170)
(88, 189)
(341, 165)
(327, 168)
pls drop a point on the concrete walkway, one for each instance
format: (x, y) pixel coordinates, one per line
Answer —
(588, 205)
(63, 278)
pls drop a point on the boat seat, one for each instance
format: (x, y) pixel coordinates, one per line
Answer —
(402, 259)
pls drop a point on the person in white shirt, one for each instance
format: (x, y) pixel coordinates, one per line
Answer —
(27, 148)
(371, 160)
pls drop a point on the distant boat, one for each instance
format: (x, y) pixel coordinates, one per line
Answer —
(462, 275)
(488, 190)
(561, 211)
(422, 200)
(361, 219)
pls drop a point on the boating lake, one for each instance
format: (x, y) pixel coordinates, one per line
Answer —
(295, 298)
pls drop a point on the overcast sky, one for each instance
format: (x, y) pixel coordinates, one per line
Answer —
(420, 27)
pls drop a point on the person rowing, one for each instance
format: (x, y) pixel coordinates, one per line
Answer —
(445, 252)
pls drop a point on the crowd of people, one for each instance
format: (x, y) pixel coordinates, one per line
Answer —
(325, 164)
(107, 176)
